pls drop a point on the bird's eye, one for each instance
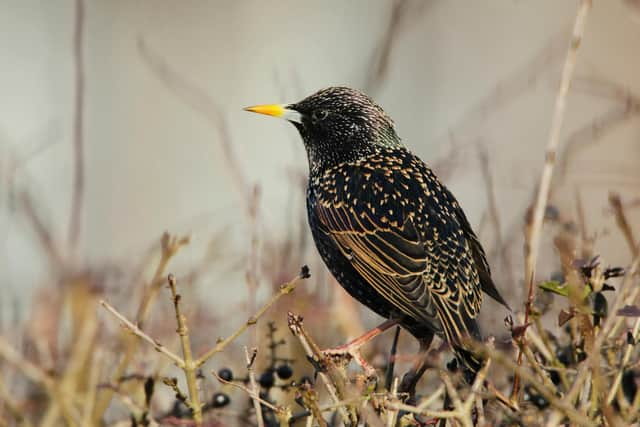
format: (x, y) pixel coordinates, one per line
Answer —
(318, 115)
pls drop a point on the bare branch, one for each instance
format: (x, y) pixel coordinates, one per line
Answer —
(533, 233)
(177, 360)
(75, 219)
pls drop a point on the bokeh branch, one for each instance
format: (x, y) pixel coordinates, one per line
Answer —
(75, 219)
(534, 228)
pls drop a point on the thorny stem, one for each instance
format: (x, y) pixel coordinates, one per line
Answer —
(169, 245)
(177, 360)
(255, 389)
(393, 413)
(35, 374)
(534, 228)
(189, 367)
(604, 333)
(549, 394)
(188, 364)
(462, 411)
(312, 351)
(283, 413)
(625, 361)
(285, 289)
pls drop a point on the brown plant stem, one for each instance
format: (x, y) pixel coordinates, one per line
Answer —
(177, 360)
(526, 374)
(533, 232)
(169, 246)
(609, 324)
(255, 388)
(189, 367)
(623, 223)
(75, 219)
(312, 351)
(35, 374)
(285, 289)
(624, 362)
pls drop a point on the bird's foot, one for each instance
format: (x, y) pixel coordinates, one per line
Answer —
(345, 355)
(351, 350)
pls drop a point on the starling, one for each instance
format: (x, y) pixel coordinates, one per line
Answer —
(390, 232)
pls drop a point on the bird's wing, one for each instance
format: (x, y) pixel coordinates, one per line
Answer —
(480, 259)
(426, 272)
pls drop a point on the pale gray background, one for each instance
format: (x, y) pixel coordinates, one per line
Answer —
(153, 163)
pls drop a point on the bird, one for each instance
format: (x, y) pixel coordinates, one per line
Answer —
(393, 236)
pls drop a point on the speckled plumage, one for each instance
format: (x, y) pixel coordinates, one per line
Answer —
(393, 236)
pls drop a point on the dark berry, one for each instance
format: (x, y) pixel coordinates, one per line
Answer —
(148, 389)
(226, 374)
(629, 386)
(600, 308)
(284, 372)
(306, 380)
(266, 380)
(179, 410)
(219, 400)
(535, 398)
(565, 356)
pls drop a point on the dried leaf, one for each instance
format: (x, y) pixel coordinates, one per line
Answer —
(565, 315)
(629, 311)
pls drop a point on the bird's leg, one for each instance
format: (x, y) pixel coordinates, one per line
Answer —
(411, 378)
(352, 348)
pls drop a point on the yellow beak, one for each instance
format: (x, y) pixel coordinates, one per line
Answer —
(276, 110)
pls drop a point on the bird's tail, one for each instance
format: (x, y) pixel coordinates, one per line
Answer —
(466, 328)
(469, 362)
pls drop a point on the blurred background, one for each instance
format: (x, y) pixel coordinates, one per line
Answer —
(120, 120)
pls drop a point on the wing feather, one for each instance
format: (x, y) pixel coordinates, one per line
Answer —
(425, 267)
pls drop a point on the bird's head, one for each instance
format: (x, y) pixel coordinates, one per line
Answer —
(337, 124)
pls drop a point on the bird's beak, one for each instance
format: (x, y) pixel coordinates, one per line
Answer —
(277, 110)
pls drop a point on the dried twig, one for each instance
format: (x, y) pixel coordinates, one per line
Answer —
(623, 223)
(11, 406)
(313, 352)
(528, 376)
(392, 414)
(34, 373)
(285, 289)
(624, 362)
(75, 219)
(255, 389)
(169, 245)
(609, 325)
(534, 229)
(189, 366)
(177, 360)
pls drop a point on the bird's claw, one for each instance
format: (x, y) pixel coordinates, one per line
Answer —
(345, 354)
